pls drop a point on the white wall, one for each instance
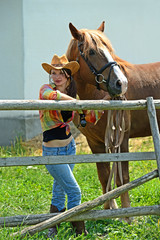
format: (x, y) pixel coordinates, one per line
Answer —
(11, 50)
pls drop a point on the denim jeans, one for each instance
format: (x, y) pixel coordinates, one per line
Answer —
(64, 181)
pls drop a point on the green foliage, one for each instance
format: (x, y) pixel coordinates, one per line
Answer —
(27, 190)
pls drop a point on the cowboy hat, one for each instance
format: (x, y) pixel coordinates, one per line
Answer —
(60, 63)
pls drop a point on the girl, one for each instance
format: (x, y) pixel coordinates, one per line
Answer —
(57, 138)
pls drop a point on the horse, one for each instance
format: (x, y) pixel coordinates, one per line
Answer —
(116, 78)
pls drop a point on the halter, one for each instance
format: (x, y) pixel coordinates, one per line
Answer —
(98, 74)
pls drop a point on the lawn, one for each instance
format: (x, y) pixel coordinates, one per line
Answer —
(27, 190)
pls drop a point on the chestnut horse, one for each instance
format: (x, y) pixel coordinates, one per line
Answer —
(94, 51)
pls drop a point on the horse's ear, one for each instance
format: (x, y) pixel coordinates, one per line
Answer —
(75, 32)
(101, 28)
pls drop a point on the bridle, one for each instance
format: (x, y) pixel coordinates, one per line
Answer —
(98, 74)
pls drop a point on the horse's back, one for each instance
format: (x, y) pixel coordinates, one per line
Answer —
(143, 82)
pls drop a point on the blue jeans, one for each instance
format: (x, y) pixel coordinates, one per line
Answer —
(64, 180)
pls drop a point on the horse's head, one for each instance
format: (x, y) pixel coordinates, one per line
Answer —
(94, 52)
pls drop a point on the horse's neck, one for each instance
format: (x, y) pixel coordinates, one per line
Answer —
(81, 86)
(89, 92)
(83, 92)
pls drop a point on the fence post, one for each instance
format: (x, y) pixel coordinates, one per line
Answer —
(154, 129)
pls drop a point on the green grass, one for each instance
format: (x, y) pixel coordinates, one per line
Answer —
(27, 190)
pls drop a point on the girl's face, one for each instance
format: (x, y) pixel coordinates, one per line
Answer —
(58, 78)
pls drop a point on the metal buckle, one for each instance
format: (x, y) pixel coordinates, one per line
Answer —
(97, 77)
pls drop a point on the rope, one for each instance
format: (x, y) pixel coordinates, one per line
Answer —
(114, 135)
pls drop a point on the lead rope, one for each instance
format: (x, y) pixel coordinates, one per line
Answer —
(114, 135)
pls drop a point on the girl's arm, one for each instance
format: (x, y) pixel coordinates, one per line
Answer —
(65, 97)
(48, 93)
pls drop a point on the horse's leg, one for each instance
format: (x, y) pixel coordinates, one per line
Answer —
(125, 201)
(103, 170)
(103, 174)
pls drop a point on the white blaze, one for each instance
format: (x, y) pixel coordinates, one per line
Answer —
(117, 71)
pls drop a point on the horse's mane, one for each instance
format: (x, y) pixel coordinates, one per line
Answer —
(92, 38)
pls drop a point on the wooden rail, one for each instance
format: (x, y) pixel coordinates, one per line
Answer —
(75, 105)
(91, 215)
(83, 158)
(154, 129)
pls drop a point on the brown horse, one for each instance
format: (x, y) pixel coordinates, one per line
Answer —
(94, 51)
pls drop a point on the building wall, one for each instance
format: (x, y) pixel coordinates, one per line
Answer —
(11, 66)
(11, 50)
(33, 30)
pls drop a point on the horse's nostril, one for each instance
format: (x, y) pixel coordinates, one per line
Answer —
(119, 83)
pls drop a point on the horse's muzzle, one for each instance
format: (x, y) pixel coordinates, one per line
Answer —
(117, 87)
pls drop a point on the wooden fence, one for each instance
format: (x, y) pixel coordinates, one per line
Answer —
(79, 212)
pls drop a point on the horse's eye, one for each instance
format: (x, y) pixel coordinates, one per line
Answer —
(91, 52)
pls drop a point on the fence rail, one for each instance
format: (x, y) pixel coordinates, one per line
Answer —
(91, 215)
(83, 158)
(75, 105)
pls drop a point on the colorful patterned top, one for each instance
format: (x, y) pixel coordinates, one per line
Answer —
(53, 118)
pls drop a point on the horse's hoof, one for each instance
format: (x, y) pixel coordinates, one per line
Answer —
(127, 220)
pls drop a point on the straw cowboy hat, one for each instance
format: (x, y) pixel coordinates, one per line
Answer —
(60, 63)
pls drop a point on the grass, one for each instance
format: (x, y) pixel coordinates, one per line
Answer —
(27, 190)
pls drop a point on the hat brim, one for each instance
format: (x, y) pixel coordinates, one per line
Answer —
(72, 66)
